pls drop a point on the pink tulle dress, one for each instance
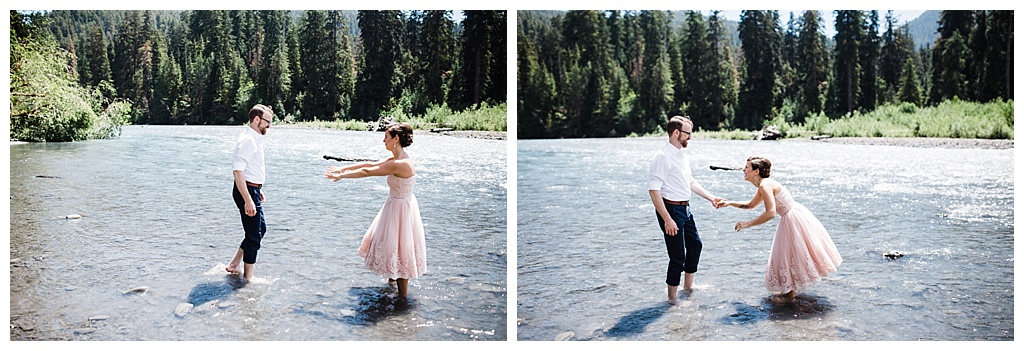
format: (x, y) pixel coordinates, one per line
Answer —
(394, 246)
(802, 252)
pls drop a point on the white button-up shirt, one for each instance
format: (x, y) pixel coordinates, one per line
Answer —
(249, 156)
(671, 174)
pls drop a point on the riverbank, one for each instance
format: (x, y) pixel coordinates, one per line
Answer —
(471, 134)
(946, 143)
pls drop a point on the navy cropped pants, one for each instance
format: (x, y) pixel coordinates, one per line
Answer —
(684, 247)
(254, 226)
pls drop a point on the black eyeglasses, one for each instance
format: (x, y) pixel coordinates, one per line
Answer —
(264, 119)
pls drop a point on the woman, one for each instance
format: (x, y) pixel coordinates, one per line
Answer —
(394, 246)
(802, 251)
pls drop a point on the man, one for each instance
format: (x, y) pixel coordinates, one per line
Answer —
(250, 173)
(671, 187)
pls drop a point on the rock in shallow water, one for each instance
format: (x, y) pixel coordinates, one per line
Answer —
(137, 289)
(565, 336)
(183, 309)
(892, 255)
(80, 331)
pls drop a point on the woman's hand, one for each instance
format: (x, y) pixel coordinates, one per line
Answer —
(330, 175)
(742, 225)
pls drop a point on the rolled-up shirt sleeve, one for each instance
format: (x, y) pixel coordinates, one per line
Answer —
(243, 152)
(659, 172)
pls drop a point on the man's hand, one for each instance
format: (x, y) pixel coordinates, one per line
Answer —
(671, 228)
(250, 208)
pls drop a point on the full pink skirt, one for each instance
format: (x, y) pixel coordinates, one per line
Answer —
(394, 246)
(802, 253)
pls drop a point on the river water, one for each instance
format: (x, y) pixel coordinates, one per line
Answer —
(157, 211)
(591, 257)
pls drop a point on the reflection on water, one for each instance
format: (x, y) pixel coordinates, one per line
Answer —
(156, 211)
(591, 258)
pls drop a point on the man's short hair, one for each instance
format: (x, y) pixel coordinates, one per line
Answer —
(260, 110)
(676, 123)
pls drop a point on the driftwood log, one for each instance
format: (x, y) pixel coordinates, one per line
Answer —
(343, 159)
(439, 130)
(721, 168)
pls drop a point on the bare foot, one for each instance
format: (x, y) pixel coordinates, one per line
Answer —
(232, 270)
(672, 294)
(784, 298)
(688, 282)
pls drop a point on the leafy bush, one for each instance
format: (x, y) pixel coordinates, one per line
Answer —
(47, 104)
(950, 119)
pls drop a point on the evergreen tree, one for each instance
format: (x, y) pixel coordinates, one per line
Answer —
(698, 69)
(99, 63)
(497, 88)
(909, 90)
(295, 92)
(483, 34)
(897, 47)
(587, 102)
(869, 51)
(722, 78)
(760, 38)
(845, 92)
(977, 42)
(316, 63)
(998, 81)
(788, 70)
(680, 96)
(437, 50)
(377, 81)
(946, 55)
(345, 64)
(167, 90)
(953, 68)
(812, 61)
(535, 90)
(655, 91)
(273, 78)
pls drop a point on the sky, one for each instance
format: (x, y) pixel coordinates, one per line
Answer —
(827, 17)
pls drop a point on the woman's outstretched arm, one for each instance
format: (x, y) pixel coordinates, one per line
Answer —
(769, 209)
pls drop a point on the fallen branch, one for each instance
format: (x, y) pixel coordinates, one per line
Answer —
(342, 159)
(720, 168)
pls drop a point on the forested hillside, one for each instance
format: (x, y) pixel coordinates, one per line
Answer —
(209, 67)
(616, 73)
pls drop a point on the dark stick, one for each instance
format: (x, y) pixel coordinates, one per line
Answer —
(342, 159)
(720, 168)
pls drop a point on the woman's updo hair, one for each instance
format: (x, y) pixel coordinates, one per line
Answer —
(403, 131)
(761, 165)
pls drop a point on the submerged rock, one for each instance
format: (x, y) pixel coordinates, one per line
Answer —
(101, 317)
(892, 255)
(183, 309)
(137, 289)
(208, 306)
(73, 216)
(565, 336)
(80, 331)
